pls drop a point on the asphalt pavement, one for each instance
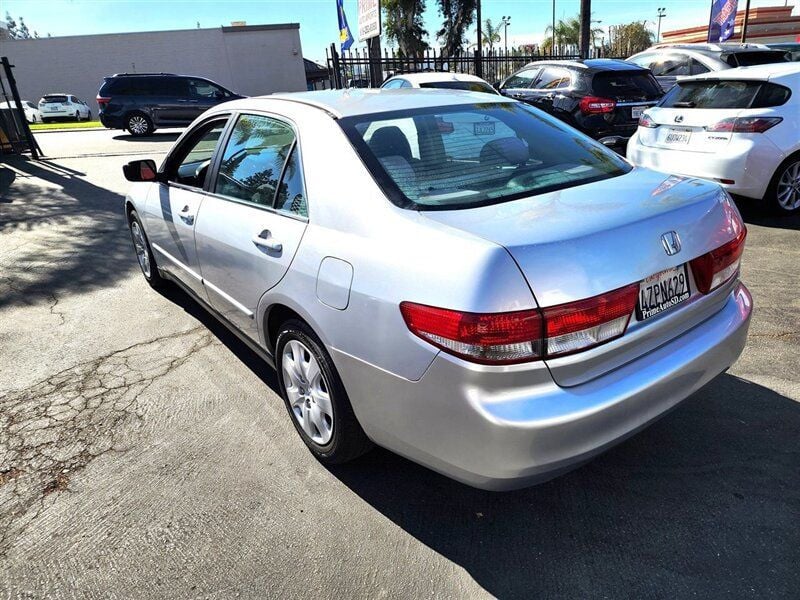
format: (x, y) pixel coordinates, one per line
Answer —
(144, 451)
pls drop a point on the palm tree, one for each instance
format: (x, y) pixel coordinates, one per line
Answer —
(490, 34)
(568, 33)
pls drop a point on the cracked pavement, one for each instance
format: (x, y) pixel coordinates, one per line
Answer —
(145, 454)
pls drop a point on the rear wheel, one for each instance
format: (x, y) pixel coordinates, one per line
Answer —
(78, 116)
(315, 396)
(144, 255)
(139, 124)
(784, 189)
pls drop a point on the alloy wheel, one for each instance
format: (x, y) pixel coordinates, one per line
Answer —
(788, 192)
(307, 392)
(138, 125)
(141, 248)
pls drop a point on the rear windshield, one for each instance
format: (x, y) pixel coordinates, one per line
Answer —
(471, 86)
(616, 84)
(725, 94)
(54, 98)
(749, 59)
(470, 155)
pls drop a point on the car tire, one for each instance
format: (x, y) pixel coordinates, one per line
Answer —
(78, 116)
(783, 193)
(144, 254)
(138, 124)
(305, 383)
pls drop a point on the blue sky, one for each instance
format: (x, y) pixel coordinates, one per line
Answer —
(317, 18)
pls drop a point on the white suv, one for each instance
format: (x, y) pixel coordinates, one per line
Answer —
(738, 128)
(64, 106)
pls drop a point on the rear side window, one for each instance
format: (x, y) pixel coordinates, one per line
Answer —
(725, 94)
(614, 84)
(553, 78)
(749, 59)
(254, 159)
(523, 79)
(470, 86)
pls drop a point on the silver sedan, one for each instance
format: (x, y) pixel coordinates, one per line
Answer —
(459, 278)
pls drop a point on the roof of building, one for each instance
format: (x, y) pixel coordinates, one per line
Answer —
(360, 101)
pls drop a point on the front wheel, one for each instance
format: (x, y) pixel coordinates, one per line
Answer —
(784, 190)
(144, 255)
(315, 396)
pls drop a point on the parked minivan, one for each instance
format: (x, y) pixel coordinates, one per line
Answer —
(143, 102)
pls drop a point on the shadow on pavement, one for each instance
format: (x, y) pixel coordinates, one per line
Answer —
(755, 212)
(81, 240)
(169, 136)
(705, 503)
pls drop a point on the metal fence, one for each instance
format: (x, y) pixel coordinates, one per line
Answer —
(355, 68)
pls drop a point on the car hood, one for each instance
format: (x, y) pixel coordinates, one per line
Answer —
(586, 240)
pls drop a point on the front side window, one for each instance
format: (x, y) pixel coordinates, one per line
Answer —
(475, 154)
(254, 158)
(671, 66)
(524, 79)
(191, 162)
(200, 88)
(645, 60)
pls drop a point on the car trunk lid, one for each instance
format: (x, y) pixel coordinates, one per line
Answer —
(588, 240)
(686, 130)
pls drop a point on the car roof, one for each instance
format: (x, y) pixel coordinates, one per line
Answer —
(590, 64)
(773, 71)
(365, 101)
(437, 76)
(713, 50)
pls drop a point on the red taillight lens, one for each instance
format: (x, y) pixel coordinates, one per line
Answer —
(714, 268)
(523, 336)
(646, 121)
(102, 101)
(744, 124)
(494, 338)
(581, 325)
(591, 105)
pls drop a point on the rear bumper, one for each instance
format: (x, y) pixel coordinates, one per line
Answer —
(750, 164)
(111, 121)
(499, 428)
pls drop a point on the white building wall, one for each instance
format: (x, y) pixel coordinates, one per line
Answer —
(250, 60)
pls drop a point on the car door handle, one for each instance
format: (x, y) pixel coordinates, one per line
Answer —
(186, 216)
(265, 240)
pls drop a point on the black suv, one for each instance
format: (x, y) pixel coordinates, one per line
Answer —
(603, 98)
(142, 102)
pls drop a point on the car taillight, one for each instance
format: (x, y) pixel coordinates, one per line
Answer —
(102, 101)
(714, 268)
(586, 323)
(744, 124)
(527, 335)
(591, 105)
(646, 121)
(493, 338)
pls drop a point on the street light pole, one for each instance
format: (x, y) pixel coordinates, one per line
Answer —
(662, 12)
(553, 47)
(479, 51)
(506, 21)
(746, 19)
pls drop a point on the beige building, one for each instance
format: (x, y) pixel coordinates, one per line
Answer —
(250, 59)
(767, 24)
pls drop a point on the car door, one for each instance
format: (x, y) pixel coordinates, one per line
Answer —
(251, 224)
(172, 104)
(519, 84)
(545, 91)
(174, 203)
(203, 95)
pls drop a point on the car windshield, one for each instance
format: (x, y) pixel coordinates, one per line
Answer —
(470, 86)
(725, 94)
(54, 98)
(475, 154)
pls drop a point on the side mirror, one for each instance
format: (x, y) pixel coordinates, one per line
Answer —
(141, 170)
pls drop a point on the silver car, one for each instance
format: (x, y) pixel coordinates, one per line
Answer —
(498, 302)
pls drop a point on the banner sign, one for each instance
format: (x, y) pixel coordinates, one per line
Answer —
(723, 16)
(345, 37)
(369, 19)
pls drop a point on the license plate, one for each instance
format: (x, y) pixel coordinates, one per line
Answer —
(483, 128)
(678, 136)
(662, 291)
(636, 111)
(53, 108)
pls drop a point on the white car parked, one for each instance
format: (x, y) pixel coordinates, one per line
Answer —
(738, 128)
(447, 81)
(32, 114)
(64, 106)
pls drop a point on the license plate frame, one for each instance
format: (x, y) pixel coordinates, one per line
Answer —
(677, 136)
(636, 111)
(662, 291)
(483, 128)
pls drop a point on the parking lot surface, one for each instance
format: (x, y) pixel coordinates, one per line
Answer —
(145, 453)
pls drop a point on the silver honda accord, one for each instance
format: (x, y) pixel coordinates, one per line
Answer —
(461, 279)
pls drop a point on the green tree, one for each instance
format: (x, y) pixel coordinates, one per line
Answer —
(458, 15)
(624, 40)
(19, 31)
(568, 35)
(404, 26)
(490, 34)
